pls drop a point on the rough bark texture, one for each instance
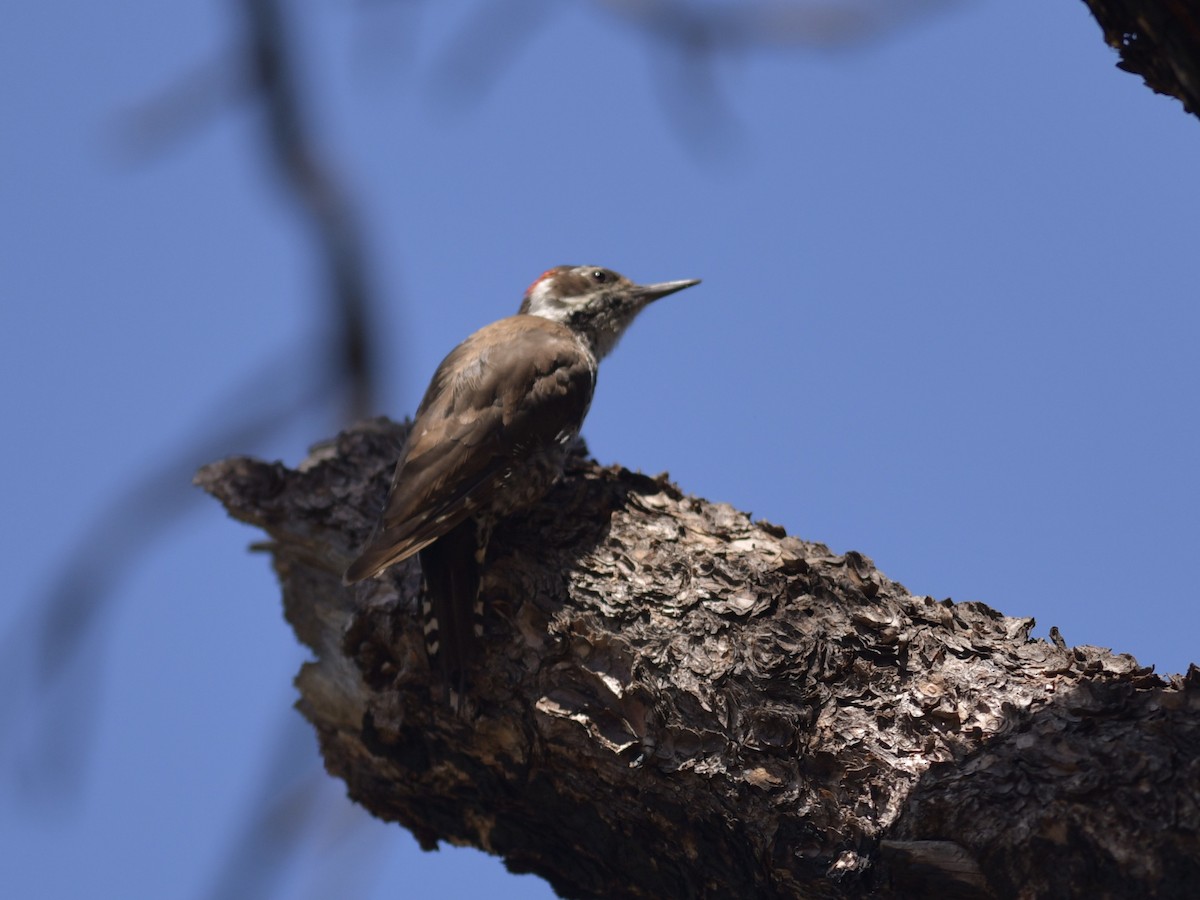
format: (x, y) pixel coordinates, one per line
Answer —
(675, 701)
(1157, 39)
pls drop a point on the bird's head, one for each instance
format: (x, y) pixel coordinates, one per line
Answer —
(598, 304)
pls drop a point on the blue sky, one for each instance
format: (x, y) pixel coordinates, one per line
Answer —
(948, 319)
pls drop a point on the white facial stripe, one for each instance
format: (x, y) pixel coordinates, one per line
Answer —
(542, 302)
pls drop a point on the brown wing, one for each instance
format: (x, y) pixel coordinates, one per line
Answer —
(508, 390)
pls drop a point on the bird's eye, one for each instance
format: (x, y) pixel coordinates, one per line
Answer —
(599, 275)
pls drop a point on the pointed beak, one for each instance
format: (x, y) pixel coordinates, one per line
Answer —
(648, 293)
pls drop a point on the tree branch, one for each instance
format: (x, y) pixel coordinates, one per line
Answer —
(1158, 40)
(675, 701)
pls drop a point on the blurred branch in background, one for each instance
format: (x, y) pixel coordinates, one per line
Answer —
(59, 638)
(264, 70)
(486, 44)
(323, 199)
(67, 619)
(773, 23)
(297, 803)
(687, 41)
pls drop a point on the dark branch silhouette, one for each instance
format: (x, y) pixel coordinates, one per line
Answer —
(1158, 41)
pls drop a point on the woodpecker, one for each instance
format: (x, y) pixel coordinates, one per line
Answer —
(490, 438)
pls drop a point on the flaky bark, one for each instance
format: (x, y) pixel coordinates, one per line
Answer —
(1158, 40)
(675, 701)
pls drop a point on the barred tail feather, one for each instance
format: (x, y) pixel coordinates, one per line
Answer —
(451, 566)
